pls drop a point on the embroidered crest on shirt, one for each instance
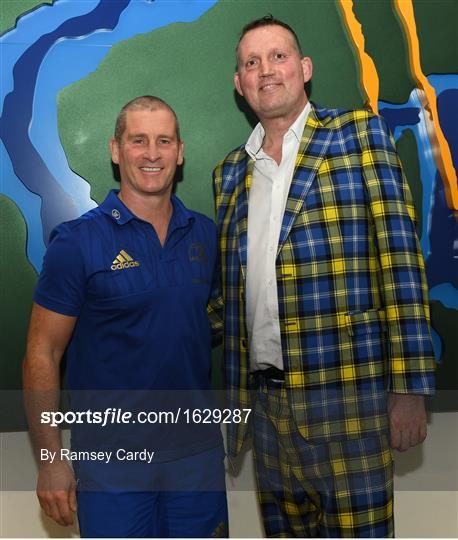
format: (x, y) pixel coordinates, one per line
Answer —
(197, 252)
(124, 260)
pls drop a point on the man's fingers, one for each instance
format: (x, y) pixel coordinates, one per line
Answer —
(418, 434)
(414, 437)
(45, 502)
(57, 514)
(405, 441)
(72, 497)
(65, 513)
(56, 491)
(402, 440)
(55, 505)
(395, 438)
(49, 505)
(423, 431)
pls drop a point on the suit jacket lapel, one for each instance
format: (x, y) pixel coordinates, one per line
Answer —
(244, 175)
(312, 149)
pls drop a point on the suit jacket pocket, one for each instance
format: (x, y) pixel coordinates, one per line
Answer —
(365, 322)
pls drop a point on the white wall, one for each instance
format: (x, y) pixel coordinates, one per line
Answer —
(426, 498)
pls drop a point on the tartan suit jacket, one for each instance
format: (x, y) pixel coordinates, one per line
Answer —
(352, 293)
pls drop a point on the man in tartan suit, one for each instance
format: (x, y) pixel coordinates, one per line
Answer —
(326, 330)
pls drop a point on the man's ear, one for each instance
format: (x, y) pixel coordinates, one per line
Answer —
(307, 68)
(114, 151)
(180, 153)
(237, 83)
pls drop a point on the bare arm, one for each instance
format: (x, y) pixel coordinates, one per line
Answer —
(49, 334)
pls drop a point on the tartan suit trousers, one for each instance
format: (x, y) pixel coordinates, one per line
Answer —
(337, 489)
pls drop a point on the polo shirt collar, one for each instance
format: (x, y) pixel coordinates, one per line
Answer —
(113, 206)
(181, 216)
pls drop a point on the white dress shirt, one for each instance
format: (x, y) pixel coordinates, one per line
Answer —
(266, 207)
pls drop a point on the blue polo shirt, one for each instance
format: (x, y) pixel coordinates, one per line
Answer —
(141, 313)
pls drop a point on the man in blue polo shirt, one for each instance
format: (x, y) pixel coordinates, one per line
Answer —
(125, 289)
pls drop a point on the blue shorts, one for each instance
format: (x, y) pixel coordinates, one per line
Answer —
(189, 499)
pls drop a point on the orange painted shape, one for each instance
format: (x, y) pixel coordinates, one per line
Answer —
(427, 94)
(369, 75)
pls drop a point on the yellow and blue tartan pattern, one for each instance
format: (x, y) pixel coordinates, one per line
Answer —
(352, 293)
(336, 489)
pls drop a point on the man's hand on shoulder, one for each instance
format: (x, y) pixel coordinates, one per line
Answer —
(56, 490)
(407, 418)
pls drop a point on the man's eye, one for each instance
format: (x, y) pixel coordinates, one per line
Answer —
(137, 141)
(164, 141)
(279, 56)
(251, 63)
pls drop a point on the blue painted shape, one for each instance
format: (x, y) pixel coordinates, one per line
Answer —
(24, 199)
(447, 108)
(445, 293)
(437, 345)
(425, 157)
(441, 83)
(439, 237)
(29, 28)
(442, 265)
(39, 157)
(28, 165)
(70, 60)
(406, 116)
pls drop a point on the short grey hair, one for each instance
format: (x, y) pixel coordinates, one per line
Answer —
(142, 103)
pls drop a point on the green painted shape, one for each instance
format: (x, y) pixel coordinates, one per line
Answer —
(385, 43)
(17, 281)
(191, 66)
(408, 153)
(10, 10)
(437, 23)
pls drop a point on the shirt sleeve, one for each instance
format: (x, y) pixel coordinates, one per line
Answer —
(215, 301)
(215, 307)
(62, 282)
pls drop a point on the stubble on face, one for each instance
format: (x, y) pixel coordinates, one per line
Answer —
(148, 153)
(271, 73)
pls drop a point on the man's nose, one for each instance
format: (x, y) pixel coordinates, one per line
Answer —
(152, 151)
(265, 68)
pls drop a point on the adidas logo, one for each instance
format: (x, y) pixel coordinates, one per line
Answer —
(124, 260)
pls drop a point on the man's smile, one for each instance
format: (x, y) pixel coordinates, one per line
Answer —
(269, 87)
(151, 169)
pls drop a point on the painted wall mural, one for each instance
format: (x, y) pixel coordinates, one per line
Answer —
(68, 66)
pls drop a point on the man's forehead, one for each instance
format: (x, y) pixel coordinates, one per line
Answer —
(266, 37)
(136, 115)
(157, 117)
